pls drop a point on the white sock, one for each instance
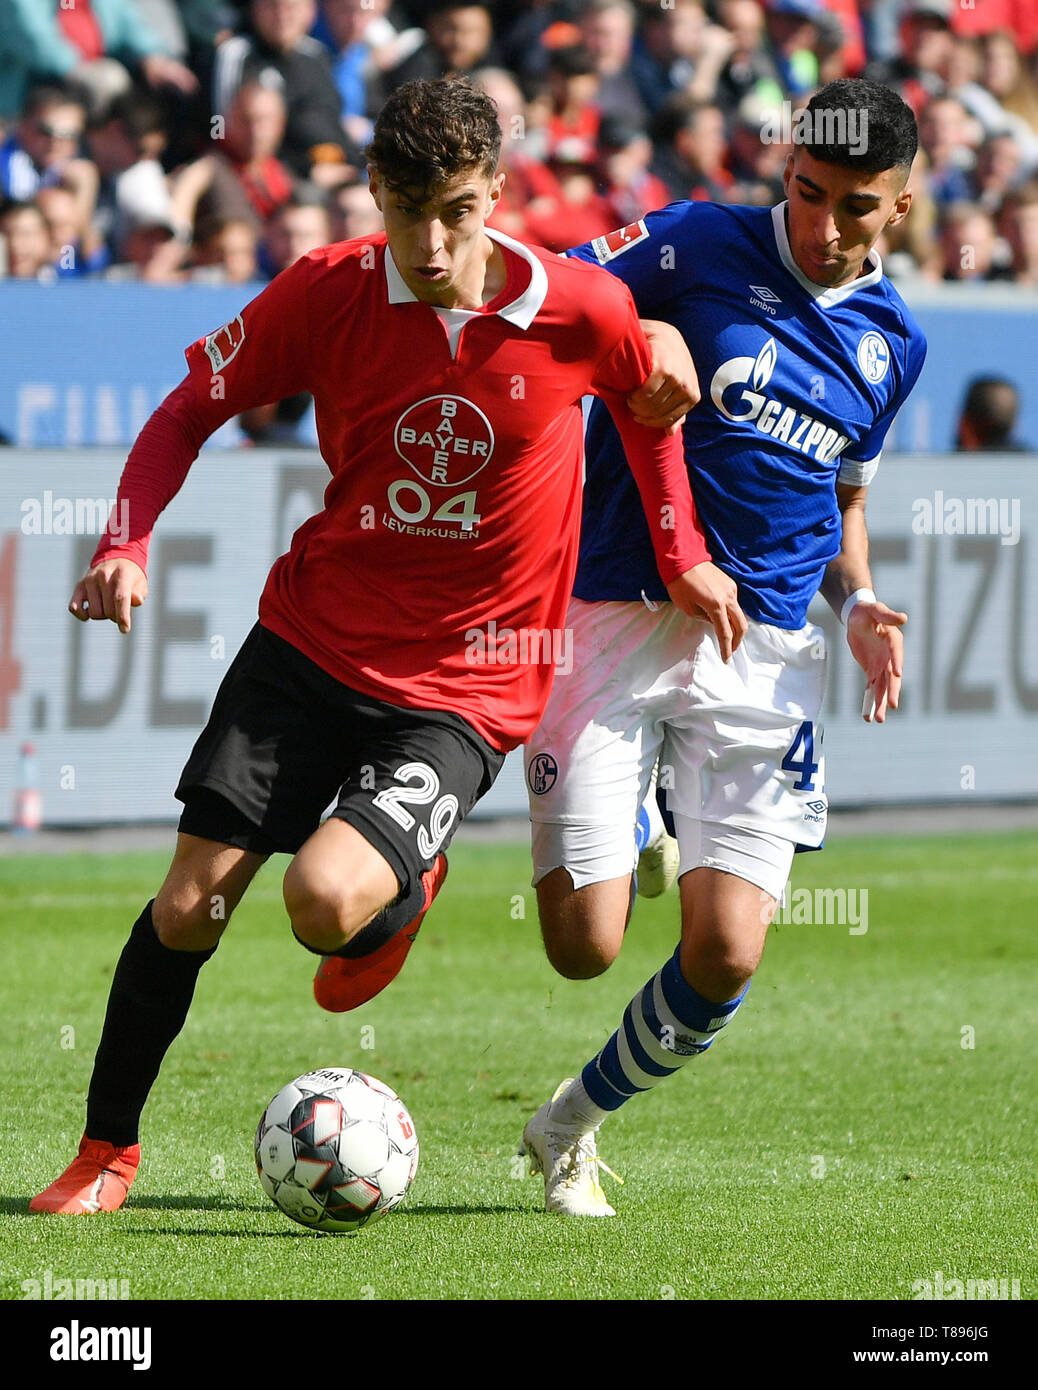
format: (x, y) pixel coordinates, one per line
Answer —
(575, 1110)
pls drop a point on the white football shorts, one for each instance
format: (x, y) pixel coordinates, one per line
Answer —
(738, 745)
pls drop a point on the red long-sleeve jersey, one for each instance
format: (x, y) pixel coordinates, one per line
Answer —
(454, 443)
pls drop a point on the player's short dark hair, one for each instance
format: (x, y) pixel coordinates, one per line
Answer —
(882, 135)
(429, 131)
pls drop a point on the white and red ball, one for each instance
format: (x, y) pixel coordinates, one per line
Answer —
(336, 1150)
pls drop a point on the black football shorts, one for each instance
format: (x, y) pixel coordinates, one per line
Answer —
(285, 740)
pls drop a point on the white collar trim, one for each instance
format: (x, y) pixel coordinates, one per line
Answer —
(823, 297)
(521, 312)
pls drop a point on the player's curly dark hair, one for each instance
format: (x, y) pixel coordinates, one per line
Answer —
(429, 131)
(882, 134)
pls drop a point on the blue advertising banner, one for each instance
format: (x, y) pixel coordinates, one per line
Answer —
(85, 364)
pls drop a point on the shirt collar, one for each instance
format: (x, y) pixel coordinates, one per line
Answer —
(521, 312)
(823, 297)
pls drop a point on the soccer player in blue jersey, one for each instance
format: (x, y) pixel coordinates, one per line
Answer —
(805, 353)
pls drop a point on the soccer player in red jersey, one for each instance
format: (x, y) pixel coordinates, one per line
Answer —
(408, 639)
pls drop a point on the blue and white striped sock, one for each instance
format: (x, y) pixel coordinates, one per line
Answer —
(664, 1026)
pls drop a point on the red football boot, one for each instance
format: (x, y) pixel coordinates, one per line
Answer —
(97, 1180)
(341, 984)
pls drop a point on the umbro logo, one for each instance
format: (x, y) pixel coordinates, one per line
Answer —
(817, 806)
(762, 297)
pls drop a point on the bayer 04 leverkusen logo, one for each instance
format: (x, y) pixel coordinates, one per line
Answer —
(445, 439)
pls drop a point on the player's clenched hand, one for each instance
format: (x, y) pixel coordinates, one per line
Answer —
(704, 591)
(110, 590)
(672, 387)
(875, 639)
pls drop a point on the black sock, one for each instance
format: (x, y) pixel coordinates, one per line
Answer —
(404, 908)
(147, 1005)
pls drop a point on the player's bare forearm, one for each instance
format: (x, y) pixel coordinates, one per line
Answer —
(873, 629)
(672, 387)
(849, 571)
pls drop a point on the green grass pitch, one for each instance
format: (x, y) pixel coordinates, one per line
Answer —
(868, 1120)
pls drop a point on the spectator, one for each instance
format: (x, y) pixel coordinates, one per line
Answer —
(835, 47)
(756, 158)
(26, 242)
(134, 199)
(912, 247)
(1019, 226)
(607, 33)
(461, 34)
(148, 248)
(794, 29)
(525, 175)
(366, 45)
(244, 181)
(842, 28)
(354, 213)
(1007, 79)
(281, 54)
(44, 142)
(999, 169)
(749, 69)
(571, 132)
(989, 416)
(629, 187)
(927, 45)
(225, 253)
(691, 145)
(75, 250)
(47, 39)
(529, 36)
(971, 81)
(970, 246)
(299, 226)
(680, 52)
(574, 212)
(948, 135)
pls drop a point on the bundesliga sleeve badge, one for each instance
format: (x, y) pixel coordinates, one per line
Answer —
(223, 345)
(607, 248)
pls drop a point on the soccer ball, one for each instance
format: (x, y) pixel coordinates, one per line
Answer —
(336, 1150)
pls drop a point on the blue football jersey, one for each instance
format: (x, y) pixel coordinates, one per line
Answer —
(799, 386)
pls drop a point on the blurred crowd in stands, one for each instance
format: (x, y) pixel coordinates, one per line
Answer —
(218, 140)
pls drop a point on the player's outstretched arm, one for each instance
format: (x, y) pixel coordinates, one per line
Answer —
(672, 387)
(109, 590)
(873, 629)
(707, 592)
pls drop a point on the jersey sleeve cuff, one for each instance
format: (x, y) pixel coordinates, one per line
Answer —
(855, 473)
